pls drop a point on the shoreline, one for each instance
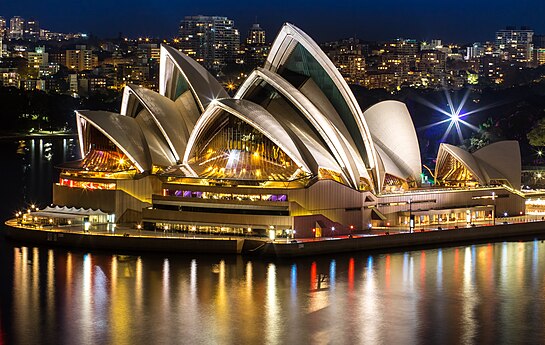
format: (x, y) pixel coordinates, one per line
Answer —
(39, 135)
(148, 241)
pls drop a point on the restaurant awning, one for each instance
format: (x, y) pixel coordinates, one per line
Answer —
(67, 212)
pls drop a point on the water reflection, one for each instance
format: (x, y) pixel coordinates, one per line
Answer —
(491, 293)
(32, 170)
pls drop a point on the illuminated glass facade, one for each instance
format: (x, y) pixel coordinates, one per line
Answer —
(225, 196)
(86, 184)
(233, 149)
(104, 155)
(454, 173)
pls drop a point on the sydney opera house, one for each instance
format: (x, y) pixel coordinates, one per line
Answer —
(292, 152)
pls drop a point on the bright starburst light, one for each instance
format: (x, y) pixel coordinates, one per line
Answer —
(454, 115)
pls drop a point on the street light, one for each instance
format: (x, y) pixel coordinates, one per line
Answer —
(332, 230)
(411, 219)
(494, 211)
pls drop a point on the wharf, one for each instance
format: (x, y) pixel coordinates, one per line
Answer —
(127, 240)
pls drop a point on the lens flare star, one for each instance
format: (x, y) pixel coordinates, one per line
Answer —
(454, 115)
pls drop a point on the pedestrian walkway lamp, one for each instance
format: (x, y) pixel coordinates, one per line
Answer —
(494, 211)
(411, 217)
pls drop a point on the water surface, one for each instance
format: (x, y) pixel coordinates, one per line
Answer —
(482, 294)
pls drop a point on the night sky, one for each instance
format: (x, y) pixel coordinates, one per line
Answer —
(462, 21)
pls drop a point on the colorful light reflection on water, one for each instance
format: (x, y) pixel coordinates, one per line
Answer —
(490, 293)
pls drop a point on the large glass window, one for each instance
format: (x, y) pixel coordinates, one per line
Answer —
(302, 64)
(103, 154)
(232, 149)
(224, 196)
(454, 173)
(86, 184)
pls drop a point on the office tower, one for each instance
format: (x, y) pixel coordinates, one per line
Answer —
(3, 27)
(516, 44)
(81, 59)
(32, 29)
(347, 55)
(16, 27)
(256, 35)
(255, 49)
(213, 41)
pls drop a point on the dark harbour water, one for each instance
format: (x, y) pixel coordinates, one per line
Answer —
(480, 294)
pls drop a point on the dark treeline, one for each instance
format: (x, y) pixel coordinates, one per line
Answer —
(22, 111)
(500, 114)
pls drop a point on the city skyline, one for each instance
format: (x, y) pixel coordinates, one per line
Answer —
(424, 20)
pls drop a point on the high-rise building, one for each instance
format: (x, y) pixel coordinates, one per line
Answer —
(213, 41)
(3, 27)
(81, 59)
(347, 55)
(256, 35)
(16, 27)
(32, 29)
(516, 44)
(474, 51)
(255, 49)
(147, 52)
(431, 64)
(402, 46)
(435, 44)
(399, 58)
(36, 59)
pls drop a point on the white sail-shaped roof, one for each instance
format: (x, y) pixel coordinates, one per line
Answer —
(388, 166)
(203, 86)
(393, 131)
(293, 51)
(499, 162)
(503, 157)
(463, 157)
(254, 115)
(350, 163)
(123, 131)
(161, 153)
(298, 103)
(164, 112)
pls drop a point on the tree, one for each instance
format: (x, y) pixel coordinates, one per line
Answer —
(488, 133)
(536, 136)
